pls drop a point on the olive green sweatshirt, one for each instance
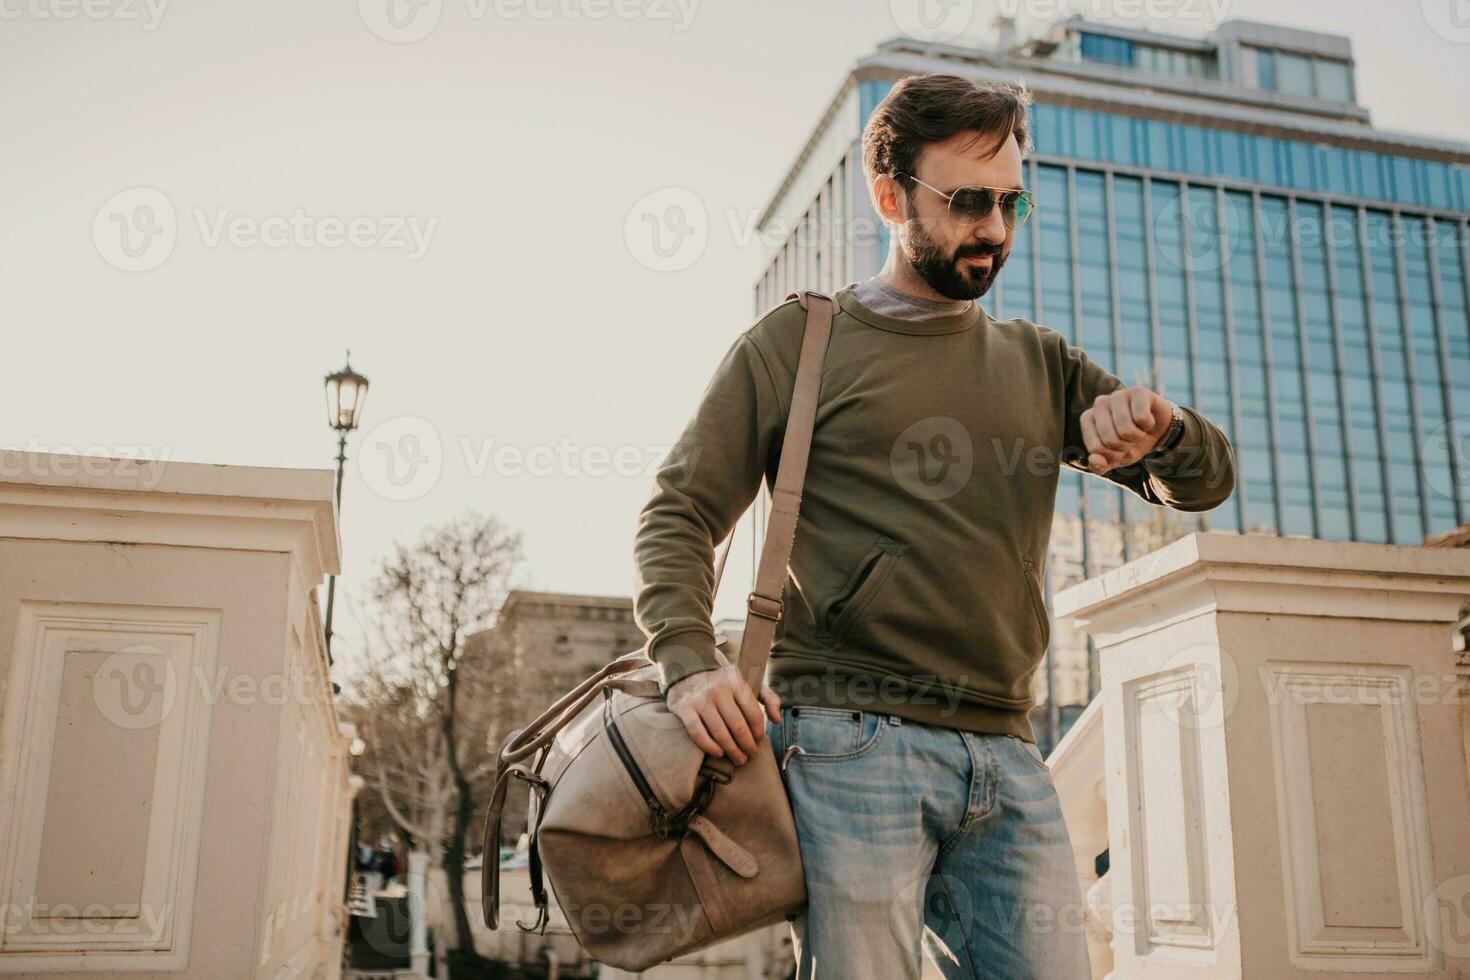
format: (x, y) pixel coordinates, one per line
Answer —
(915, 579)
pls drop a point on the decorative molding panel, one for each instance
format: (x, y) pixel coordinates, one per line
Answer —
(103, 749)
(1166, 813)
(1353, 817)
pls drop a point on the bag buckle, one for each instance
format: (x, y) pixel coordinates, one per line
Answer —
(676, 825)
(710, 772)
(752, 605)
(533, 779)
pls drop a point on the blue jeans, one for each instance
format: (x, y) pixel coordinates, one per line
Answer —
(917, 838)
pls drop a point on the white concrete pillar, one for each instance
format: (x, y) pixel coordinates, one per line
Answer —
(1285, 770)
(418, 939)
(171, 762)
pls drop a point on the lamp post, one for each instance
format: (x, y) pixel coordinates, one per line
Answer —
(346, 391)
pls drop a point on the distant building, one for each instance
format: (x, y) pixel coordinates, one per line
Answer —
(551, 640)
(563, 630)
(1217, 219)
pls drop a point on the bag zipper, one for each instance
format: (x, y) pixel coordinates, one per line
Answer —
(658, 816)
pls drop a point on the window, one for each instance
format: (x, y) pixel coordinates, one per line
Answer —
(1293, 73)
(1108, 50)
(1334, 80)
(1169, 61)
(1297, 74)
(1250, 69)
(1266, 68)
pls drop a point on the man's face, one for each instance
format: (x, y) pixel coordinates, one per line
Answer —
(957, 258)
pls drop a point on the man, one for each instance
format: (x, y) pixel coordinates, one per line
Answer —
(914, 618)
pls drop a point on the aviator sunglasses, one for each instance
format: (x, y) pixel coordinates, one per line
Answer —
(972, 203)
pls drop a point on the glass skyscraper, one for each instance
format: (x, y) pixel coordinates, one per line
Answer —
(1216, 219)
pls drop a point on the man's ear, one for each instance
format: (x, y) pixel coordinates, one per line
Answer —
(887, 196)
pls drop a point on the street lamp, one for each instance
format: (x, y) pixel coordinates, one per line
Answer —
(346, 391)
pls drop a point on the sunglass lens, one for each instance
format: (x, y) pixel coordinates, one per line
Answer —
(1018, 209)
(971, 203)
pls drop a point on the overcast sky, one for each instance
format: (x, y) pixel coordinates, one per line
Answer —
(450, 191)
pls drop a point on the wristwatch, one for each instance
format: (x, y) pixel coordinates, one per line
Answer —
(1171, 435)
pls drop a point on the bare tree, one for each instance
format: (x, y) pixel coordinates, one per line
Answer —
(421, 704)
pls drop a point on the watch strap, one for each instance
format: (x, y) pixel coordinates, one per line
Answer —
(1171, 437)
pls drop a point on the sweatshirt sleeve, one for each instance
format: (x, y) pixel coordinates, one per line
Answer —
(703, 485)
(1196, 474)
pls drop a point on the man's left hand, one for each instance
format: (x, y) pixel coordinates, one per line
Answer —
(1121, 427)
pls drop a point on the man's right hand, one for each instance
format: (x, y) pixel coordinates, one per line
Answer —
(721, 714)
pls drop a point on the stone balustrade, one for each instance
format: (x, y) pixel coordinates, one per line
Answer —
(1281, 735)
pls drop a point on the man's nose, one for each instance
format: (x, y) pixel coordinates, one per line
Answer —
(992, 229)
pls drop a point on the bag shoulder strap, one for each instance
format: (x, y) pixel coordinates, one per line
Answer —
(766, 603)
(800, 297)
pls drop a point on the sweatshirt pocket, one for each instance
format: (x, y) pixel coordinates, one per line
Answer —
(846, 606)
(1038, 604)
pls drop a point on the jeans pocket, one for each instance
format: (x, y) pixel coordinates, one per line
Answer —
(1032, 751)
(820, 734)
(775, 732)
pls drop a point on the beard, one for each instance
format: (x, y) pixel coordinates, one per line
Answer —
(941, 270)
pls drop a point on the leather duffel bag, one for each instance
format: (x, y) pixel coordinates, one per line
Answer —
(652, 848)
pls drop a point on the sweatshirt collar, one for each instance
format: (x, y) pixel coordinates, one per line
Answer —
(938, 325)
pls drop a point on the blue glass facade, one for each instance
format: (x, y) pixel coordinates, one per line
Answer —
(1289, 165)
(1310, 299)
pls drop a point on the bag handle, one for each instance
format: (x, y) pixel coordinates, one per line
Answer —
(525, 741)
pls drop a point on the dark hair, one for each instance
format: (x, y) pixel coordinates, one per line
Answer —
(924, 109)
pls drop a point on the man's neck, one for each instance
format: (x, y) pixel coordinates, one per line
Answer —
(901, 277)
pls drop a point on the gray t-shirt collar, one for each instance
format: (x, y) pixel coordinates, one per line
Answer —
(884, 300)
